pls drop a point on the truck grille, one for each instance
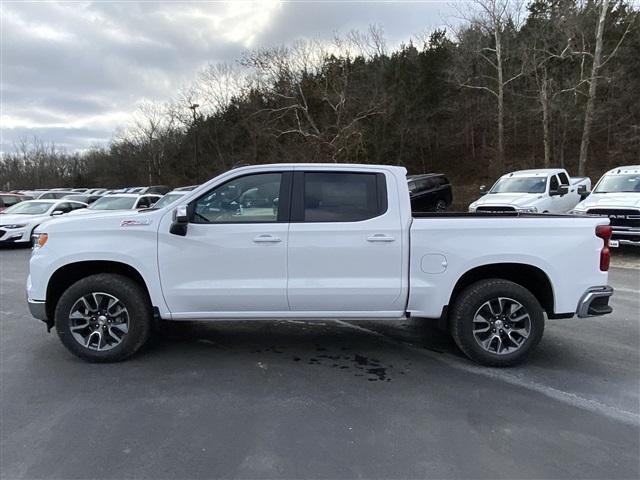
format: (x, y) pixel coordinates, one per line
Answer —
(618, 217)
(495, 209)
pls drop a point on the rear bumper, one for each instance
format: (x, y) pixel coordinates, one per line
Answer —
(37, 309)
(595, 302)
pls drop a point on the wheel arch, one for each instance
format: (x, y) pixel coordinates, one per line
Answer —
(530, 277)
(69, 274)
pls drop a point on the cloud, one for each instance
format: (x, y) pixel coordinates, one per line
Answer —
(74, 71)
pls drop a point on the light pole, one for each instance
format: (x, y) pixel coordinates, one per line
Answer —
(193, 108)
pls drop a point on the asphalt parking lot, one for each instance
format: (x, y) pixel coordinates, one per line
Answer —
(293, 399)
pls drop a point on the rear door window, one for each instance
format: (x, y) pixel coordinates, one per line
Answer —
(564, 180)
(342, 197)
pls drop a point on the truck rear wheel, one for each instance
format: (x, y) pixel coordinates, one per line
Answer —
(496, 322)
(103, 318)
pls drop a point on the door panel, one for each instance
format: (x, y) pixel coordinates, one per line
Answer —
(233, 257)
(223, 268)
(344, 265)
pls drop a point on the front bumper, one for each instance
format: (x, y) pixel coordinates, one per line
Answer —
(626, 235)
(38, 309)
(595, 302)
(14, 235)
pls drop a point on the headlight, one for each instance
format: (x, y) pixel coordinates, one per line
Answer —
(473, 207)
(527, 209)
(14, 225)
(39, 240)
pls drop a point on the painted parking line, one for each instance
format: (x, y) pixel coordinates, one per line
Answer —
(632, 418)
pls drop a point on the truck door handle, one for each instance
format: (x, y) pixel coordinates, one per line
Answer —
(266, 238)
(380, 237)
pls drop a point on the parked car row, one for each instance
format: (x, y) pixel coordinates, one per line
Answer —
(22, 213)
(553, 191)
(616, 196)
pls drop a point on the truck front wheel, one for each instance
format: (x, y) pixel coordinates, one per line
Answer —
(496, 322)
(103, 318)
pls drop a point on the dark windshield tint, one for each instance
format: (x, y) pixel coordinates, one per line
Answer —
(341, 197)
(520, 185)
(619, 183)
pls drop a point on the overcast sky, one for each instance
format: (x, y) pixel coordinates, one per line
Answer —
(72, 72)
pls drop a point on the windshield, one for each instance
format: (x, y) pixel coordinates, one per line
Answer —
(520, 185)
(166, 200)
(78, 198)
(114, 203)
(619, 183)
(29, 208)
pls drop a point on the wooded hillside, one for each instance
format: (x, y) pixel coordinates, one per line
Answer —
(555, 84)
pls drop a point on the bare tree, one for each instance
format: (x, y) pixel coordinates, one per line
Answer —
(150, 131)
(599, 60)
(493, 17)
(295, 79)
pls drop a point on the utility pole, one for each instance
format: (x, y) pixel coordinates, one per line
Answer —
(193, 108)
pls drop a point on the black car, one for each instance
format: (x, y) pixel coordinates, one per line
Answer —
(430, 192)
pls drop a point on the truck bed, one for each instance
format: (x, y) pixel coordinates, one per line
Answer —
(485, 215)
(443, 246)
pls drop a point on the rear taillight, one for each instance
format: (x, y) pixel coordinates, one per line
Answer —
(604, 232)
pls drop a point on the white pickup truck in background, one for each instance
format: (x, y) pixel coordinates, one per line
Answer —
(315, 241)
(533, 191)
(617, 196)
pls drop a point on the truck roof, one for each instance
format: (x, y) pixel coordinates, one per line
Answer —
(329, 166)
(541, 172)
(624, 170)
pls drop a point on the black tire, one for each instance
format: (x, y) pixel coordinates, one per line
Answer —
(30, 242)
(133, 298)
(472, 299)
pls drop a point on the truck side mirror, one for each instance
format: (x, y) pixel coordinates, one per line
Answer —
(180, 221)
(582, 191)
(483, 189)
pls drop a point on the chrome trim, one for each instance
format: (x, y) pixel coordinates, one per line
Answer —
(589, 296)
(634, 243)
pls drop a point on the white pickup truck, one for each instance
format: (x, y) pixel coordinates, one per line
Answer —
(617, 196)
(533, 191)
(315, 241)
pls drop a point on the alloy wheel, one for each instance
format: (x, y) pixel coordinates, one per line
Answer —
(501, 325)
(99, 321)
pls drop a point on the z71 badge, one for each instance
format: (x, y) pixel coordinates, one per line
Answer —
(135, 223)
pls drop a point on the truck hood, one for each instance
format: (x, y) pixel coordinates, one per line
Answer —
(88, 211)
(115, 220)
(609, 200)
(511, 199)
